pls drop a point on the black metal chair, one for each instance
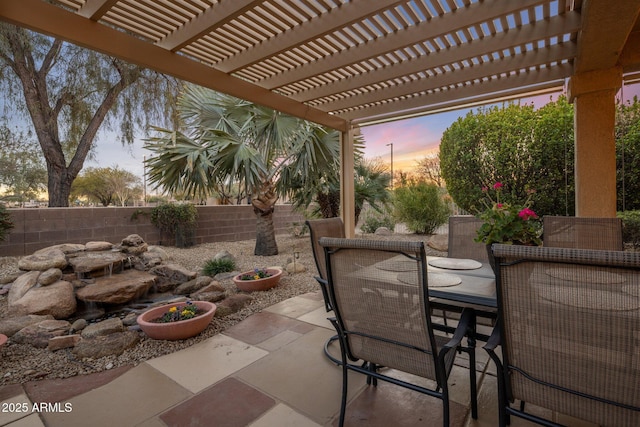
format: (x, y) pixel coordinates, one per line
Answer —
(326, 227)
(582, 233)
(383, 318)
(569, 329)
(462, 232)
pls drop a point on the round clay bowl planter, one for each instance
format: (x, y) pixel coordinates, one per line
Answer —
(180, 330)
(258, 284)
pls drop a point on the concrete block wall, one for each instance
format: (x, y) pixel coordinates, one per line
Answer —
(41, 227)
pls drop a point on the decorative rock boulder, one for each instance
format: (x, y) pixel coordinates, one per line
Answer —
(49, 276)
(296, 267)
(66, 248)
(192, 285)
(224, 255)
(132, 240)
(232, 304)
(158, 251)
(154, 255)
(11, 325)
(118, 289)
(79, 325)
(57, 299)
(63, 341)
(133, 244)
(98, 246)
(106, 327)
(22, 285)
(106, 345)
(213, 292)
(98, 263)
(170, 275)
(43, 260)
(38, 335)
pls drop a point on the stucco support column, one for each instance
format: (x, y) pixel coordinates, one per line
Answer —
(347, 183)
(593, 96)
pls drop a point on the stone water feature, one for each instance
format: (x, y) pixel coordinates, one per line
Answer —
(88, 296)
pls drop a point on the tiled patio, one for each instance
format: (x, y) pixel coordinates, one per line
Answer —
(268, 370)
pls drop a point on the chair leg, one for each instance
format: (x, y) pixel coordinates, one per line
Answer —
(471, 351)
(372, 367)
(445, 406)
(472, 383)
(503, 416)
(343, 402)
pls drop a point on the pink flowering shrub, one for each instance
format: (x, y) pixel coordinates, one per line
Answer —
(506, 223)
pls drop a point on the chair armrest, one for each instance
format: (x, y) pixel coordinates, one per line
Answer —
(320, 280)
(494, 340)
(467, 318)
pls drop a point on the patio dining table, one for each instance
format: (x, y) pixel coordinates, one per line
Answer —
(454, 283)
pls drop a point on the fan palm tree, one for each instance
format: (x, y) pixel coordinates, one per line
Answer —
(372, 180)
(231, 142)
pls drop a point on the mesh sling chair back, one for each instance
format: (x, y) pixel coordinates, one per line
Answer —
(462, 231)
(382, 317)
(582, 233)
(569, 329)
(326, 227)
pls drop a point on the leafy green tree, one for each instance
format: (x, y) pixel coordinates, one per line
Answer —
(5, 222)
(628, 155)
(107, 185)
(70, 93)
(229, 141)
(524, 148)
(126, 185)
(420, 207)
(429, 169)
(22, 171)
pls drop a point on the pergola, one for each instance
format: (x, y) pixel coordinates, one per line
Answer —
(346, 64)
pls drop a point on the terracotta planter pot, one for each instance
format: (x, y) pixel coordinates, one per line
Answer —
(258, 284)
(180, 330)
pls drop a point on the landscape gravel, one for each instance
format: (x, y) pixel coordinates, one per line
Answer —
(20, 363)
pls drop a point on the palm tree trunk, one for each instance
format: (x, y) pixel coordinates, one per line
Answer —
(266, 244)
(263, 206)
(329, 203)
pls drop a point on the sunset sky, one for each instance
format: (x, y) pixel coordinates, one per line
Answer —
(413, 139)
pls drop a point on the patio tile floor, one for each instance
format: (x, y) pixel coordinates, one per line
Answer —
(268, 370)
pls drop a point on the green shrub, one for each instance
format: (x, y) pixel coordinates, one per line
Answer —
(420, 207)
(5, 222)
(373, 220)
(177, 219)
(630, 227)
(215, 266)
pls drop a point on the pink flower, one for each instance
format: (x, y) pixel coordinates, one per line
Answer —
(526, 214)
(499, 205)
(485, 189)
(497, 186)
